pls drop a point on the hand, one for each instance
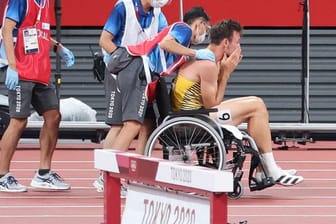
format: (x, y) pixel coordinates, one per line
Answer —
(205, 54)
(12, 79)
(106, 58)
(230, 63)
(67, 56)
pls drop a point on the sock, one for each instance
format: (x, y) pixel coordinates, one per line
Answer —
(42, 172)
(2, 175)
(271, 167)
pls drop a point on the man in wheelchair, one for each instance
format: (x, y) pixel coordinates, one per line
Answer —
(202, 83)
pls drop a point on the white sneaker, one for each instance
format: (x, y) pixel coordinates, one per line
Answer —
(9, 184)
(50, 180)
(287, 179)
(290, 171)
(260, 175)
(99, 185)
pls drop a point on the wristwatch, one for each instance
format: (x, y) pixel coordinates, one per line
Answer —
(56, 46)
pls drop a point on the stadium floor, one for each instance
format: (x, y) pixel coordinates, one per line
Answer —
(311, 202)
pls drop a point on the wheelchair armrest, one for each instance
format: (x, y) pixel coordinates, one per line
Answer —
(192, 112)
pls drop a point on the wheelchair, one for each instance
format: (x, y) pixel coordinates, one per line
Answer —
(194, 137)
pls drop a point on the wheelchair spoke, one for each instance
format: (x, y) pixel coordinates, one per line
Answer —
(187, 139)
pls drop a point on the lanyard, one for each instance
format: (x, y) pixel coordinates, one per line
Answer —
(41, 5)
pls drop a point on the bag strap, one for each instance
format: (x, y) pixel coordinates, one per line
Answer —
(146, 68)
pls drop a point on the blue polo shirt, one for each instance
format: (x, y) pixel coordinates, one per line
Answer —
(182, 34)
(115, 24)
(17, 10)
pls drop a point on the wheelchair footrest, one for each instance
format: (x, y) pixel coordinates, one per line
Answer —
(265, 183)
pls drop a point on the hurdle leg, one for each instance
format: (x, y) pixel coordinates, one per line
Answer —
(218, 208)
(112, 206)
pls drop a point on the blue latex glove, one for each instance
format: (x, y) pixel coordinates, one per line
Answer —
(3, 58)
(67, 56)
(205, 54)
(12, 79)
(107, 58)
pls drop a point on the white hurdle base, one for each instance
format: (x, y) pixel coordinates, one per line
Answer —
(146, 199)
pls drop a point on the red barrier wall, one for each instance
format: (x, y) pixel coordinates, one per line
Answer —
(251, 13)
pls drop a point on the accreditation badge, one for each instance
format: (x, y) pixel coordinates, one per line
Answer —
(30, 40)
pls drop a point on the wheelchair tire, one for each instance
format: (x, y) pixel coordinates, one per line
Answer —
(187, 139)
(238, 191)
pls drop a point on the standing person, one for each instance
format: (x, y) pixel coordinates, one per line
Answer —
(27, 41)
(130, 22)
(202, 84)
(128, 102)
(159, 54)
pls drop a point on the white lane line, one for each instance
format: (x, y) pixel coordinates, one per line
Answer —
(68, 178)
(303, 161)
(308, 179)
(51, 206)
(300, 188)
(52, 197)
(282, 206)
(89, 169)
(284, 215)
(308, 161)
(51, 216)
(54, 161)
(91, 161)
(63, 169)
(302, 197)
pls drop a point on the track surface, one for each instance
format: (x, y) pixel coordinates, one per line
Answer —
(311, 202)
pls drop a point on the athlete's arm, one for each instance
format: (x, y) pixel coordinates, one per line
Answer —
(214, 78)
(212, 92)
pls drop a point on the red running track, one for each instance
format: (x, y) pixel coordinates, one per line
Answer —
(311, 202)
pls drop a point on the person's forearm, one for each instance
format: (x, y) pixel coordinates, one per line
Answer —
(105, 42)
(170, 45)
(221, 84)
(7, 33)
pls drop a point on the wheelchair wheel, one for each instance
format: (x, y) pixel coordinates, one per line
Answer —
(187, 139)
(237, 191)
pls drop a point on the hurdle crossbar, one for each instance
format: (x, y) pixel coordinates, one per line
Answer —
(158, 172)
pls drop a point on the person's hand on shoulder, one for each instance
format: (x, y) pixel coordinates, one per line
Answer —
(205, 54)
(67, 56)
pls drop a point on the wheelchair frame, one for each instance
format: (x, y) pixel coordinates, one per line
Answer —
(194, 137)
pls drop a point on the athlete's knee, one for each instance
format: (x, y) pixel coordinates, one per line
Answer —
(260, 105)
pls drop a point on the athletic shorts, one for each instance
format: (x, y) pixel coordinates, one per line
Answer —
(27, 94)
(125, 94)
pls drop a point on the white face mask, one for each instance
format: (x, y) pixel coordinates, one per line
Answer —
(158, 3)
(199, 38)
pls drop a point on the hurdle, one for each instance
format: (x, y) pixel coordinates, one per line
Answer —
(149, 201)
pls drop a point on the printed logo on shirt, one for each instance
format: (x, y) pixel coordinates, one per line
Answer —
(46, 26)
